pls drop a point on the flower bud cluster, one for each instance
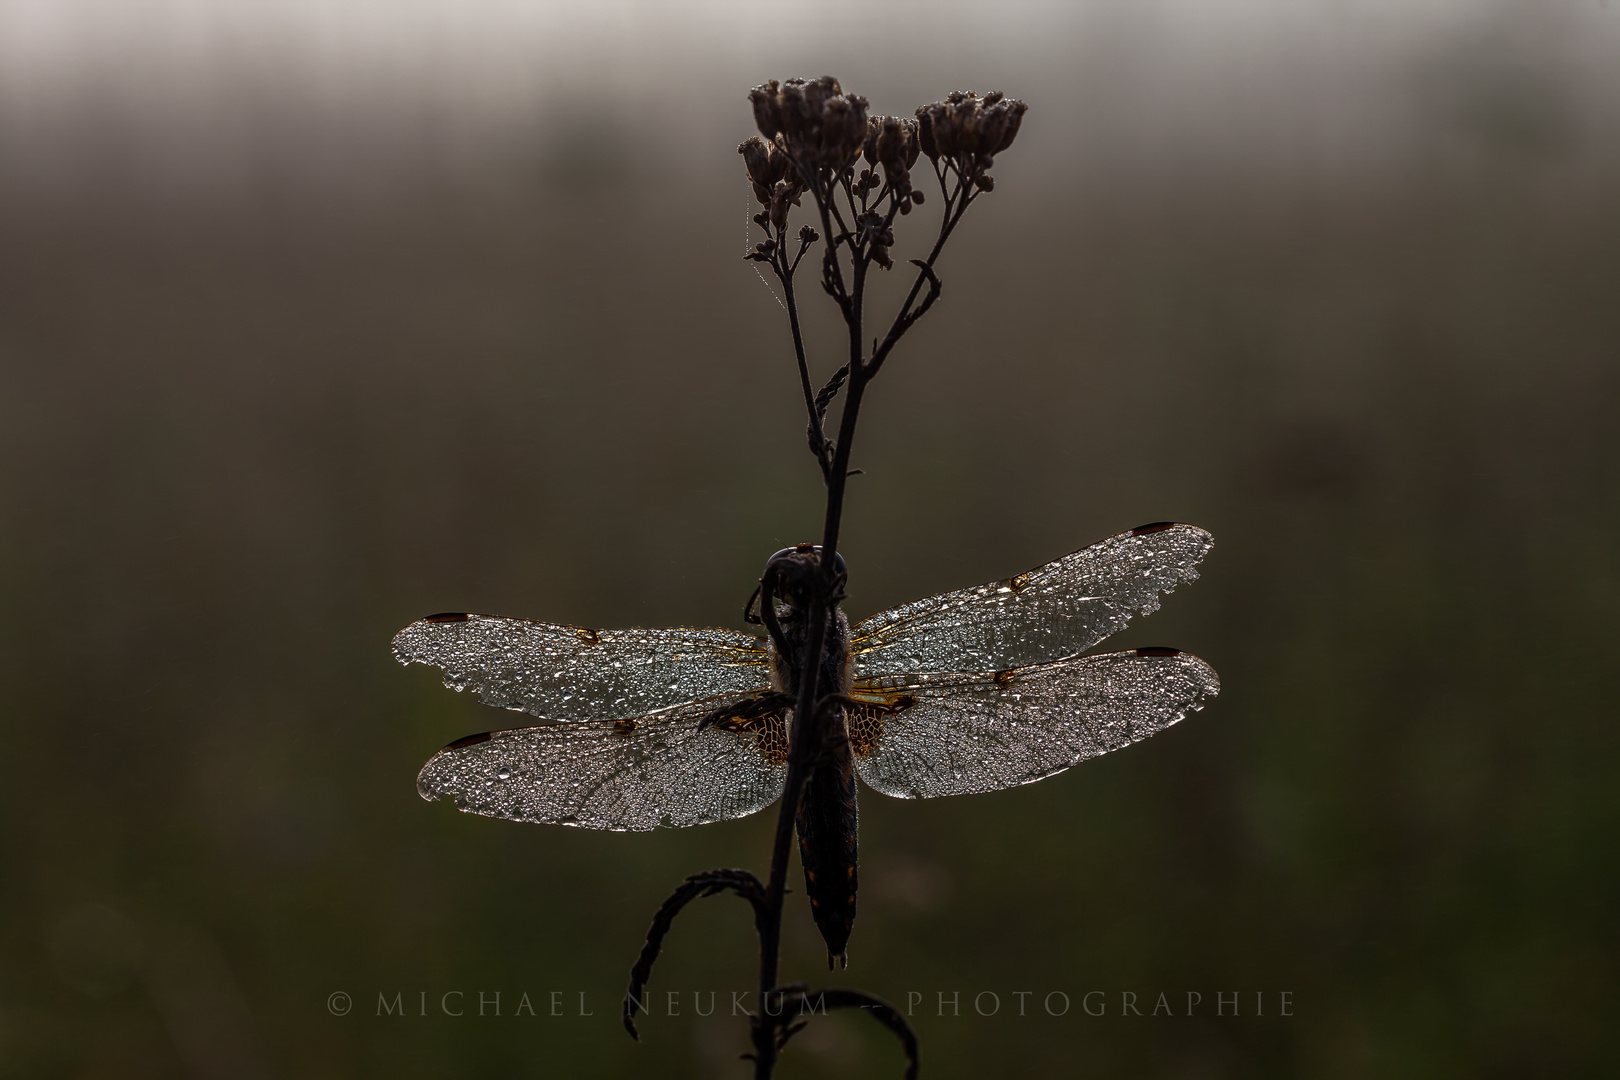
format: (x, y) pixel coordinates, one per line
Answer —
(812, 134)
(875, 229)
(776, 182)
(891, 141)
(968, 131)
(818, 124)
(765, 165)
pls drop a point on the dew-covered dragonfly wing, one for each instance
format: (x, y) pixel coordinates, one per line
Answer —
(1053, 611)
(973, 690)
(921, 736)
(568, 673)
(677, 766)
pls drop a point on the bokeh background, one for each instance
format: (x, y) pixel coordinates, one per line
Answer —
(317, 317)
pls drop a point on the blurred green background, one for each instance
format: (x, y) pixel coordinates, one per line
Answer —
(315, 319)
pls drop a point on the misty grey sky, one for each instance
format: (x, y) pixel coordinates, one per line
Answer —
(1345, 85)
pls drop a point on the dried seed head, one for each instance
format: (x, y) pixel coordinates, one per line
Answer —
(767, 166)
(874, 228)
(892, 142)
(816, 123)
(756, 155)
(925, 132)
(968, 131)
(784, 196)
(767, 108)
(775, 181)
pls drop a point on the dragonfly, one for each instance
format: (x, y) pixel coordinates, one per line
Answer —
(974, 690)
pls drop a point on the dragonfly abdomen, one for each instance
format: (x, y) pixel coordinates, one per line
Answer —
(827, 848)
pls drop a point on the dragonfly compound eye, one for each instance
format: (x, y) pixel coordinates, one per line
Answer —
(809, 549)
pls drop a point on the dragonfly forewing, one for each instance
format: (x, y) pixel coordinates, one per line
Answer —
(1053, 611)
(568, 673)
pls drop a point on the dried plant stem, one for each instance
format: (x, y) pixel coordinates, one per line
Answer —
(814, 138)
(861, 370)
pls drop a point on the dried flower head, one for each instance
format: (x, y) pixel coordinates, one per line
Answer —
(874, 229)
(784, 195)
(891, 141)
(968, 131)
(763, 172)
(814, 121)
(776, 183)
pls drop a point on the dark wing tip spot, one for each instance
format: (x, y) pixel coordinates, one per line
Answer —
(470, 740)
(1157, 650)
(448, 616)
(1153, 527)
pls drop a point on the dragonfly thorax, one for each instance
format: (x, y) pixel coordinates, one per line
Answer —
(787, 585)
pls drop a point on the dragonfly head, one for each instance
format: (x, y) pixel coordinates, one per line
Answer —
(794, 568)
(812, 550)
